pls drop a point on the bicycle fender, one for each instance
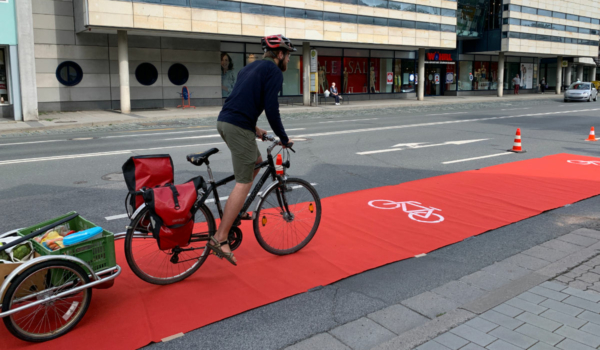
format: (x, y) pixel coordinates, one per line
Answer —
(262, 196)
(138, 210)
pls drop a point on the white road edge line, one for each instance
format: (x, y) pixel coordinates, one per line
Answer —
(29, 143)
(420, 255)
(211, 200)
(350, 120)
(216, 135)
(474, 158)
(86, 155)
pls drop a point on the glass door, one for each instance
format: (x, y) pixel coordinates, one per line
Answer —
(433, 77)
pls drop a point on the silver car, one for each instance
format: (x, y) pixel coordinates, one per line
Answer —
(581, 92)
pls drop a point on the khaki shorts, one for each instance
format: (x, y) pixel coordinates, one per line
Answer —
(244, 150)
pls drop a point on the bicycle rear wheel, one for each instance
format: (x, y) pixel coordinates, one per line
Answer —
(281, 232)
(162, 267)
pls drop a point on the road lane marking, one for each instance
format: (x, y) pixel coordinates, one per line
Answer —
(98, 154)
(211, 200)
(154, 134)
(429, 115)
(404, 146)
(475, 158)
(420, 255)
(29, 143)
(351, 120)
(217, 135)
(353, 131)
(513, 109)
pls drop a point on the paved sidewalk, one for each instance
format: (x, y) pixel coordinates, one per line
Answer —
(542, 298)
(67, 120)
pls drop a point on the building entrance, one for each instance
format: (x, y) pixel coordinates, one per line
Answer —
(433, 80)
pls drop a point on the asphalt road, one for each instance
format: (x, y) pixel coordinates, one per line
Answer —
(47, 175)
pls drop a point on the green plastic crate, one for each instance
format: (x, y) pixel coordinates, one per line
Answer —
(98, 252)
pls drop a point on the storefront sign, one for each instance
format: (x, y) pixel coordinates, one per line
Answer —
(314, 62)
(471, 76)
(436, 56)
(314, 82)
(450, 78)
(411, 77)
(390, 78)
(565, 64)
(437, 79)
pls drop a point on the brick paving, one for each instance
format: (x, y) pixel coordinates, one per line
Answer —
(547, 297)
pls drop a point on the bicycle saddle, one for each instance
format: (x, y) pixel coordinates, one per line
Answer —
(199, 158)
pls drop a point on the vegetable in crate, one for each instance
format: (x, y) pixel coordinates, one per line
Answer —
(21, 251)
(4, 254)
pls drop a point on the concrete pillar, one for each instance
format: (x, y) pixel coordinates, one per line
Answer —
(593, 77)
(559, 75)
(14, 83)
(421, 73)
(306, 70)
(568, 73)
(500, 74)
(123, 54)
(580, 72)
(29, 100)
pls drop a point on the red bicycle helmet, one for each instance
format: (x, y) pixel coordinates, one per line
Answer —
(274, 42)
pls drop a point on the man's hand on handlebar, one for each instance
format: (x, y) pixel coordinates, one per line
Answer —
(260, 133)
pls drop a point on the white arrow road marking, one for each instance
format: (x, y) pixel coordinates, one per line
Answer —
(211, 200)
(488, 156)
(86, 155)
(404, 146)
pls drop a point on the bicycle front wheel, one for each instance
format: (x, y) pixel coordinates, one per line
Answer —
(161, 267)
(287, 217)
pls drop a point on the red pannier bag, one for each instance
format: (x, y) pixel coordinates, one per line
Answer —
(146, 171)
(172, 212)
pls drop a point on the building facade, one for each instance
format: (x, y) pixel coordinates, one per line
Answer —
(94, 54)
(9, 77)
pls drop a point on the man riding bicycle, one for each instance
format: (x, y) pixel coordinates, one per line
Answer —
(256, 90)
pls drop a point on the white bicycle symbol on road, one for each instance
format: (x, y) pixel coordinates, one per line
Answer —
(585, 162)
(421, 214)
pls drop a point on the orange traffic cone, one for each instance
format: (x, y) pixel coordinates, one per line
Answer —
(279, 165)
(517, 145)
(592, 136)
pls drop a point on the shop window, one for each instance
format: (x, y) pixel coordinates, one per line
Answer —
(178, 74)
(481, 76)
(330, 71)
(3, 79)
(465, 78)
(493, 76)
(526, 75)
(231, 63)
(146, 74)
(378, 76)
(511, 71)
(450, 77)
(291, 77)
(69, 73)
(404, 76)
(356, 70)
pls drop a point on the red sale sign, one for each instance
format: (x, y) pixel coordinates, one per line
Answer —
(390, 78)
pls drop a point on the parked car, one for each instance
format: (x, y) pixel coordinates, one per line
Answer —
(581, 91)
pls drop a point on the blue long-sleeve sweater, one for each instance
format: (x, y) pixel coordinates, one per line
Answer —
(256, 90)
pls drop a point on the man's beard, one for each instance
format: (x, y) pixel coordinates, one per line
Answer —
(283, 65)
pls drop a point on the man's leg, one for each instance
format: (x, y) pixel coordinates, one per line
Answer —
(234, 205)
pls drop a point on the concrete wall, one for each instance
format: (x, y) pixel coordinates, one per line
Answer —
(140, 15)
(56, 41)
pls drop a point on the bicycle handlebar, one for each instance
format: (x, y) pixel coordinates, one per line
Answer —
(276, 142)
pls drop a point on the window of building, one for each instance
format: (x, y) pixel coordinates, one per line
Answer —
(448, 13)
(146, 74)
(3, 79)
(559, 15)
(530, 10)
(571, 29)
(178, 74)
(356, 73)
(558, 27)
(404, 76)
(374, 3)
(544, 13)
(69, 73)
(584, 31)
(493, 76)
(572, 17)
(511, 70)
(428, 10)
(465, 78)
(584, 19)
(292, 76)
(481, 76)
(382, 67)
(595, 21)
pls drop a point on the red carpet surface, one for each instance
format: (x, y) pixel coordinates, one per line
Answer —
(400, 222)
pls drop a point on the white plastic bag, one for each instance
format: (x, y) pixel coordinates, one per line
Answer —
(10, 250)
(326, 93)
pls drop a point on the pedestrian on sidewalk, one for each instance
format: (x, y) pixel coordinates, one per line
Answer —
(516, 82)
(543, 85)
(334, 91)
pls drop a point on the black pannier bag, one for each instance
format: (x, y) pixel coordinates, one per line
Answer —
(146, 171)
(172, 212)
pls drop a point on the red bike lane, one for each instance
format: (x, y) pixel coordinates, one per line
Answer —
(359, 231)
